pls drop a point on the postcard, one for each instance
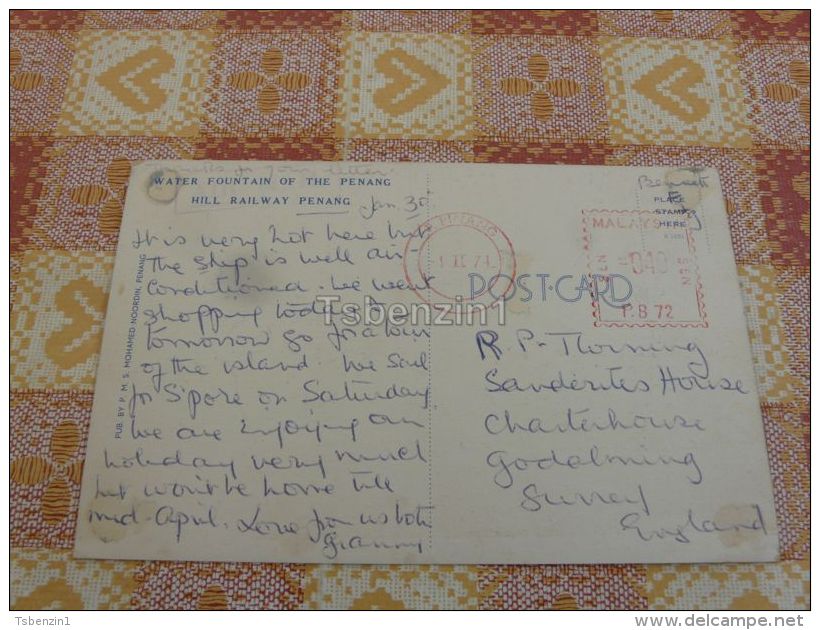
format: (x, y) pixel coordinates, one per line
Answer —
(339, 362)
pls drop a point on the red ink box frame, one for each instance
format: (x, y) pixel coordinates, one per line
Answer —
(654, 253)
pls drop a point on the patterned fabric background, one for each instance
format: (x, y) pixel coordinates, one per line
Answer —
(93, 91)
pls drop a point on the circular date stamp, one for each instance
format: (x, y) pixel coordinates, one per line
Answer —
(441, 254)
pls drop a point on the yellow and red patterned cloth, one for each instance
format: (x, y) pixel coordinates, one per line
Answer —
(93, 91)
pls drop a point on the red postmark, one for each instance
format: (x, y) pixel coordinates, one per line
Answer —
(460, 258)
(657, 255)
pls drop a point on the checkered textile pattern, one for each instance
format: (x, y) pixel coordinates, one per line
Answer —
(93, 91)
